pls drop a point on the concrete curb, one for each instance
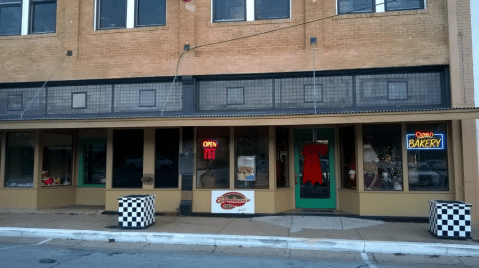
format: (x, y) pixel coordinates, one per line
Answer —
(250, 241)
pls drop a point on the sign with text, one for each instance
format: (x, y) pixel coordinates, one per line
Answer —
(425, 141)
(232, 202)
(209, 147)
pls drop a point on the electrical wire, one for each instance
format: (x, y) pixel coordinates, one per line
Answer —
(34, 97)
(178, 64)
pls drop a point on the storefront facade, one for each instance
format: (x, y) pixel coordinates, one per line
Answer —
(219, 106)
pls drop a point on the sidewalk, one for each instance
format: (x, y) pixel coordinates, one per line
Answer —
(293, 232)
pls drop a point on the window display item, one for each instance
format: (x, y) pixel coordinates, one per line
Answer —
(371, 181)
(312, 166)
(370, 159)
(208, 180)
(246, 168)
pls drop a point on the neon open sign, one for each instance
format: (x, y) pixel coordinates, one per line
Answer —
(425, 141)
(210, 149)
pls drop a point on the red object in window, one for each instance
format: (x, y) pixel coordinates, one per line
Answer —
(210, 153)
(312, 167)
(186, 1)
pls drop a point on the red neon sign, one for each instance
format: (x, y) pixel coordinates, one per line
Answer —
(210, 149)
(420, 134)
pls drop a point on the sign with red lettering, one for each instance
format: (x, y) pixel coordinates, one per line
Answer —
(424, 140)
(232, 202)
(209, 147)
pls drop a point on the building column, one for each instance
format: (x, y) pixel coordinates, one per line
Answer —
(470, 166)
(38, 160)
(109, 159)
(3, 150)
(149, 159)
(272, 157)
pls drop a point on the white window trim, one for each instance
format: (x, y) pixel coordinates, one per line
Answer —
(25, 17)
(250, 10)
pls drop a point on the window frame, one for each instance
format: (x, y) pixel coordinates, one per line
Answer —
(98, 16)
(373, 3)
(421, 3)
(220, 21)
(136, 11)
(30, 16)
(272, 18)
(12, 4)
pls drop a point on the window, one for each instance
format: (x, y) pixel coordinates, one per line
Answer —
(404, 4)
(113, 14)
(150, 12)
(362, 6)
(251, 158)
(57, 159)
(229, 10)
(10, 17)
(250, 10)
(213, 158)
(355, 6)
(382, 158)
(166, 160)
(427, 157)
(19, 159)
(43, 16)
(282, 157)
(348, 157)
(267, 9)
(92, 162)
(128, 158)
(23, 17)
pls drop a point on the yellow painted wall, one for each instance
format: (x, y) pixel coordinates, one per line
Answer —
(348, 201)
(18, 198)
(264, 201)
(90, 196)
(59, 196)
(202, 201)
(283, 200)
(166, 200)
(399, 203)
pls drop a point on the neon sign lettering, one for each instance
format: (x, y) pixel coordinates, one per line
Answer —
(210, 149)
(425, 141)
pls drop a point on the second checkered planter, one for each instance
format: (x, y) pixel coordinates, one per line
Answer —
(450, 219)
(136, 211)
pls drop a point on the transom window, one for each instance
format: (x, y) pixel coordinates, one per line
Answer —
(250, 10)
(367, 6)
(27, 17)
(113, 14)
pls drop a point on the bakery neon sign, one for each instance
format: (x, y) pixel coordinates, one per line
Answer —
(422, 140)
(209, 147)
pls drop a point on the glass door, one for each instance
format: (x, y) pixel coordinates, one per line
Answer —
(314, 168)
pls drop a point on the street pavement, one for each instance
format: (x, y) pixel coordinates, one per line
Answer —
(325, 233)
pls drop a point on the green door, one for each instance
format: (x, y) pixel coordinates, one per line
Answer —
(315, 181)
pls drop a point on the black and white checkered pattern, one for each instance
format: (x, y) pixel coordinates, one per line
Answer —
(136, 211)
(450, 219)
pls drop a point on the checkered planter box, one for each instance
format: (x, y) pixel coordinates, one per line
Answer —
(450, 219)
(136, 211)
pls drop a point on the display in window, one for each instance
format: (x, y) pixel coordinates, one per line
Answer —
(382, 160)
(312, 166)
(246, 168)
(57, 159)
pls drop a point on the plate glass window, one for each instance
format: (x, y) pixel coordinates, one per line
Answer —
(251, 158)
(19, 159)
(267, 9)
(43, 16)
(213, 158)
(150, 12)
(57, 159)
(10, 17)
(128, 158)
(229, 10)
(382, 156)
(404, 4)
(112, 14)
(427, 167)
(166, 160)
(355, 6)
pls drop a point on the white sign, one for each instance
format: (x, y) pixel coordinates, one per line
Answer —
(232, 202)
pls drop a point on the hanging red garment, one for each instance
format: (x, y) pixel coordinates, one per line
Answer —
(312, 167)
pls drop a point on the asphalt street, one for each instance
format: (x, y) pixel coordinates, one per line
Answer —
(35, 252)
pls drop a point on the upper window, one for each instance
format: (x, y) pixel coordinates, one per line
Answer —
(10, 17)
(362, 6)
(404, 4)
(229, 10)
(150, 12)
(41, 17)
(267, 9)
(113, 14)
(250, 10)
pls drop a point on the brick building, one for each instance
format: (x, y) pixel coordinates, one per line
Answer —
(364, 106)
